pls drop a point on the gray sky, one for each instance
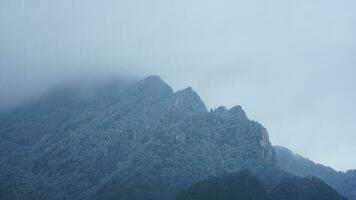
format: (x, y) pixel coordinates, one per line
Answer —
(290, 64)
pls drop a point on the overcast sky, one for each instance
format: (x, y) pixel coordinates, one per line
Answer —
(290, 64)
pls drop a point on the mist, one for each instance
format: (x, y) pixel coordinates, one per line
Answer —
(289, 64)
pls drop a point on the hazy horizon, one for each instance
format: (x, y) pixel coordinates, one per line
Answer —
(290, 65)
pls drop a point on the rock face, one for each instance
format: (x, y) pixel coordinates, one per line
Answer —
(135, 140)
(344, 183)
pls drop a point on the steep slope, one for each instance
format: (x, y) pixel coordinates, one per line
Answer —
(143, 141)
(345, 183)
(309, 188)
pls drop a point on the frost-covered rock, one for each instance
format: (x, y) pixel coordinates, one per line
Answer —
(136, 141)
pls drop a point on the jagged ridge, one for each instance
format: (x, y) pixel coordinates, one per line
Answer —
(144, 137)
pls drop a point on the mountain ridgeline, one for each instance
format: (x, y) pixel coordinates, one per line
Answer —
(344, 182)
(129, 140)
(244, 185)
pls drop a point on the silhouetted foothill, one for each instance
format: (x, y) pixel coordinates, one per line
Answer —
(244, 185)
(309, 188)
(240, 186)
(343, 182)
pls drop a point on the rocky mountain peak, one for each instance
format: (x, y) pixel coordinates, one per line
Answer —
(187, 100)
(154, 82)
(237, 111)
(151, 87)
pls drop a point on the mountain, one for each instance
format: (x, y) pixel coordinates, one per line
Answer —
(124, 140)
(136, 140)
(308, 188)
(343, 182)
